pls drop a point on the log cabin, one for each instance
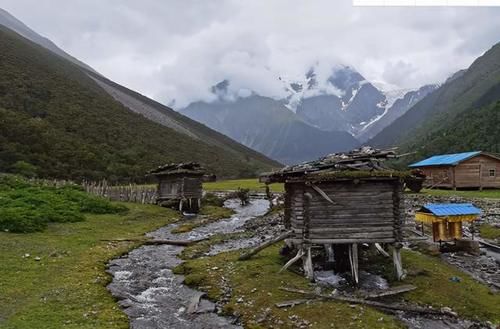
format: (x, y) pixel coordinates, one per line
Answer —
(340, 202)
(179, 186)
(468, 170)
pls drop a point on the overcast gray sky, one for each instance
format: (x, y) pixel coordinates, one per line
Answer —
(176, 49)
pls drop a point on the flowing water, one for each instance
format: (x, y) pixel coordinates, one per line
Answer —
(152, 296)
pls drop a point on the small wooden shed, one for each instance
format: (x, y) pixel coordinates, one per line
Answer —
(476, 170)
(341, 201)
(180, 186)
(446, 219)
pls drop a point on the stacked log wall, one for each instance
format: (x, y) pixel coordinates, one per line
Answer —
(179, 187)
(370, 211)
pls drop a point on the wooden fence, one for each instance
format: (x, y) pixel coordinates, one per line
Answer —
(145, 194)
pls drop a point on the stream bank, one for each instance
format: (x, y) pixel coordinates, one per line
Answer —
(153, 296)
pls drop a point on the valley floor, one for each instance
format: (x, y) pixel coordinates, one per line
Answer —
(57, 278)
(254, 185)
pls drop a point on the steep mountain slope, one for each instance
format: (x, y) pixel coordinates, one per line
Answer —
(266, 125)
(345, 104)
(442, 121)
(353, 105)
(55, 120)
(401, 102)
(7, 20)
(165, 116)
(357, 106)
(475, 129)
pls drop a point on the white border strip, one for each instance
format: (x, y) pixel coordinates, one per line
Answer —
(426, 3)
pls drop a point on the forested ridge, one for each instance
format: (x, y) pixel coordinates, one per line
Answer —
(461, 115)
(57, 122)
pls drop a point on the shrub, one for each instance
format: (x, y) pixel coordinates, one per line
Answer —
(28, 207)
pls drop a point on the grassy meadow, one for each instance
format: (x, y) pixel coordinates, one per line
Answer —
(257, 282)
(254, 185)
(55, 243)
(57, 277)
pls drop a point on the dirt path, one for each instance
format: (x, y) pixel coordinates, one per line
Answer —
(152, 296)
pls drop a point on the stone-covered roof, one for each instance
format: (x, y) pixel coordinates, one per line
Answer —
(178, 168)
(358, 163)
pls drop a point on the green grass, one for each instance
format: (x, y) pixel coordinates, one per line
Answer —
(67, 287)
(252, 184)
(199, 249)
(488, 231)
(468, 298)
(55, 121)
(208, 214)
(493, 193)
(257, 281)
(28, 207)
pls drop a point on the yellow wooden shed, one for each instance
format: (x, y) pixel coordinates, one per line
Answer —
(447, 218)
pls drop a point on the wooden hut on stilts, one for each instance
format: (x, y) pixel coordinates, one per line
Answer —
(340, 202)
(180, 186)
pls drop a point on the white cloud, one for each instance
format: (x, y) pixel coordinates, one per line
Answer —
(176, 50)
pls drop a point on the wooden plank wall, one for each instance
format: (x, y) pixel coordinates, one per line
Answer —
(370, 211)
(169, 187)
(475, 173)
(192, 187)
(177, 187)
(438, 176)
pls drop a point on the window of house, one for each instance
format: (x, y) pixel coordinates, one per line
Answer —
(492, 172)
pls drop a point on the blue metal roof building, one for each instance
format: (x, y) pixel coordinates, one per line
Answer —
(451, 209)
(445, 159)
(475, 169)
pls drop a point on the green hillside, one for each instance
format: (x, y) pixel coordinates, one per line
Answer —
(463, 114)
(475, 129)
(55, 121)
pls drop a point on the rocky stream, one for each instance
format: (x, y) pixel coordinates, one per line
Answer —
(154, 297)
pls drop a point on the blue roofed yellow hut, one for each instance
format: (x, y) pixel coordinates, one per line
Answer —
(447, 218)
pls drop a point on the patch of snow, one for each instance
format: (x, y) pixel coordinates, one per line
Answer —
(393, 95)
(375, 119)
(354, 93)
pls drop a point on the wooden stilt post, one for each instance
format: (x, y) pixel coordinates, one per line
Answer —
(329, 253)
(308, 266)
(353, 259)
(307, 258)
(398, 265)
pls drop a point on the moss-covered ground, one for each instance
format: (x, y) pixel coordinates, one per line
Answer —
(255, 290)
(489, 232)
(252, 184)
(208, 213)
(66, 287)
(490, 193)
(437, 286)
